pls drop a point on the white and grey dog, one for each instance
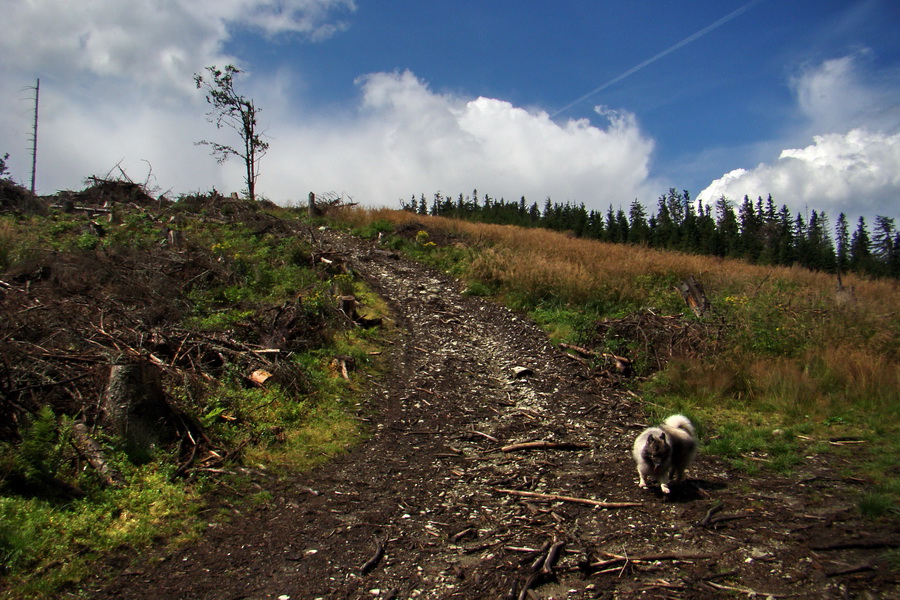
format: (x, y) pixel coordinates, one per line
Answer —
(663, 453)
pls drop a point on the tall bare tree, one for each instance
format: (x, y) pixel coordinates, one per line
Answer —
(229, 109)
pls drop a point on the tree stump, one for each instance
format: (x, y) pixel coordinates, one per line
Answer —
(347, 305)
(136, 408)
(693, 295)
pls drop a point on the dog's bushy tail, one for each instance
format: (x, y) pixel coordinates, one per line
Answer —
(680, 422)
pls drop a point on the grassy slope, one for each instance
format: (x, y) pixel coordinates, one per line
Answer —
(789, 359)
(788, 365)
(47, 544)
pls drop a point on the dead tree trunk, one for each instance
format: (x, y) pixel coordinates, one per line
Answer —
(693, 294)
(135, 405)
(313, 209)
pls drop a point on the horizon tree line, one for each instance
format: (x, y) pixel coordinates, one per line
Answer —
(759, 232)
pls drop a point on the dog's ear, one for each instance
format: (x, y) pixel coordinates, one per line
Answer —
(662, 437)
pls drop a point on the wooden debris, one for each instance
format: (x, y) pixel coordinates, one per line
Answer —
(623, 364)
(870, 544)
(522, 372)
(347, 305)
(558, 498)
(542, 445)
(850, 570)
(93, 453)
(615, 559)
(260, 376)
(458, 536)
(748, 591)
(693, 294)
(485, 435)
(709, 520)
(541, 568)
(376, 558)
(135, 404)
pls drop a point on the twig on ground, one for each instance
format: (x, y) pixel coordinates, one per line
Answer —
(542, 445)
(748, 591)
(572, 499)
(376, 558)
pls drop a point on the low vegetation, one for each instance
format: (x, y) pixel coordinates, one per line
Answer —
(785, 365)
(226, 302)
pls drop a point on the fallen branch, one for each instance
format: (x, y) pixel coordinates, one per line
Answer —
(710, 521)
(552, 557)
(572, 499)
(622, 363)
(707, 519)
(376, 558)
(484, 435)
(859, 545)
(458, 536)
(93, 453)
(542, 568)
(603, 566)
(182, 469)
(850, 570)
(545, 446)
(650, 558)
(748, 591)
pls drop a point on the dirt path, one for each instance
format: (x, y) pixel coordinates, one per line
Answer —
(428, 488)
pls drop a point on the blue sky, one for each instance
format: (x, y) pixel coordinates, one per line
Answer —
(379, 100)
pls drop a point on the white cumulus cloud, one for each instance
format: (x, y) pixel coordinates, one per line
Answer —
(406, 139)
(853, 162)
(859, 169)
(117, 89)
(157, 45)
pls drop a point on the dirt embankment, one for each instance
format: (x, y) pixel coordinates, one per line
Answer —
(432, 507)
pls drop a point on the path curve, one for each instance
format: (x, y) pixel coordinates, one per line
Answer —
(431, 485)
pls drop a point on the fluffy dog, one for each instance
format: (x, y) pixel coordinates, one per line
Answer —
(663, 453)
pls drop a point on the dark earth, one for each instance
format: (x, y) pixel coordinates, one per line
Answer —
(429, 505)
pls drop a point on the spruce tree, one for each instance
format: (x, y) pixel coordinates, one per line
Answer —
(861, 249)
(842, 242)
(883, 247)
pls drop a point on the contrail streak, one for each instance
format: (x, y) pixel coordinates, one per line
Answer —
(662, 54)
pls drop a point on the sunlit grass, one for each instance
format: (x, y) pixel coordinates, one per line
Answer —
(47, 546)
(792, 357)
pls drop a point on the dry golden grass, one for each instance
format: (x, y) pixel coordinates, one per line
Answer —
(798, 347)
(578, 269)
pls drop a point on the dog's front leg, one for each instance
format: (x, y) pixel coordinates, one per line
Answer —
(643, 473)
(664, 483)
